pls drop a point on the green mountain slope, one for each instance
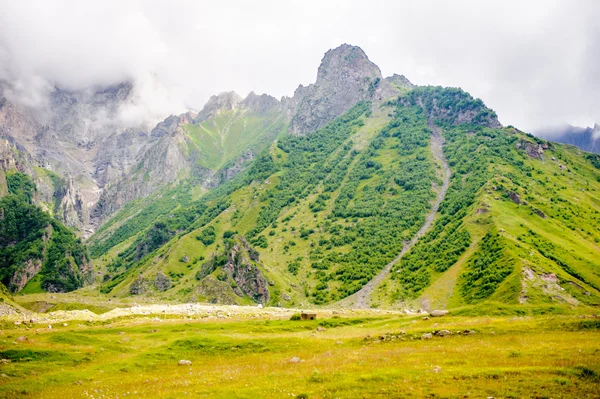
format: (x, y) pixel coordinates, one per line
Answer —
(325, 212)
(36, 251)
(217, 147)
(231, 133)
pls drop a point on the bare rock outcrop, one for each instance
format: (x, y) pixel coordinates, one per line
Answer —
(241, 264)
(533, 150)
(345, 76)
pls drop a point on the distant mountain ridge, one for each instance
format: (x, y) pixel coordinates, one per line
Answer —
(586, 139)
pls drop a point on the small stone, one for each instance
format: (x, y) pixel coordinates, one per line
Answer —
(339, 343)
(425, 318)
(426, 336)
(437, 369)
(443, 333)
(65, 324)
(22, 339)
(184, 363)
(295, 360)
(321, 328)
(49, 326)
(260, 306)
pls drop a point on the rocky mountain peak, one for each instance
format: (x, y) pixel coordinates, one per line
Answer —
(345, 64)
(226, 101)
(345, 77)
(260, 103)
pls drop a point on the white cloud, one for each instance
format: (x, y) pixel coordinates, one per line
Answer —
(535, 62)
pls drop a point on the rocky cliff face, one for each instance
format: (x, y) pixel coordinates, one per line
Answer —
(345, 77)
(161, 163)
(77, 136)
(239, 263)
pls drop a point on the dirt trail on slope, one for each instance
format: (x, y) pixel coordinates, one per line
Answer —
(360, 299)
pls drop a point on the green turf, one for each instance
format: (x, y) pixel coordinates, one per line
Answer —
(369, 356)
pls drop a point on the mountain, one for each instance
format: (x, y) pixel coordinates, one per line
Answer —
(586, 139)
(345, 76)
(381, 194)
(358, 191)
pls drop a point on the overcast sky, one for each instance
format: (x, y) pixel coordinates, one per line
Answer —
(535, 62)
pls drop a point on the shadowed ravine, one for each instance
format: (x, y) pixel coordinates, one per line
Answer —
(360, 299)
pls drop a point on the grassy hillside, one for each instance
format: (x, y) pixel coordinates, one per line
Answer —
(327, 211)
(519, 225)
(229, 134)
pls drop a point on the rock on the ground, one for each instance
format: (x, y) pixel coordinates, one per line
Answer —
(295, 360)
(185, 363)
(438, 313)
(443, 333)
(426, 336)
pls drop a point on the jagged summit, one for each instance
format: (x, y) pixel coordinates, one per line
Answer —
(230, 101)
(261, 103)
(225, 101)
(346, 63)
(345, 76)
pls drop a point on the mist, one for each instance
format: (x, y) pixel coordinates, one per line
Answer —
(535, 63)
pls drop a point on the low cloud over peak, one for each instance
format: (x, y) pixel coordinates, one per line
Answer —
(535, 63)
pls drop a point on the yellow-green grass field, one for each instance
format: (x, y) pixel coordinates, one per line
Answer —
(366, 355)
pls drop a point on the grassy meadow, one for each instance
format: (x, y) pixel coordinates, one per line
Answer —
(366, 354)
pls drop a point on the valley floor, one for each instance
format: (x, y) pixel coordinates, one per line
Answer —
(247, 352)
